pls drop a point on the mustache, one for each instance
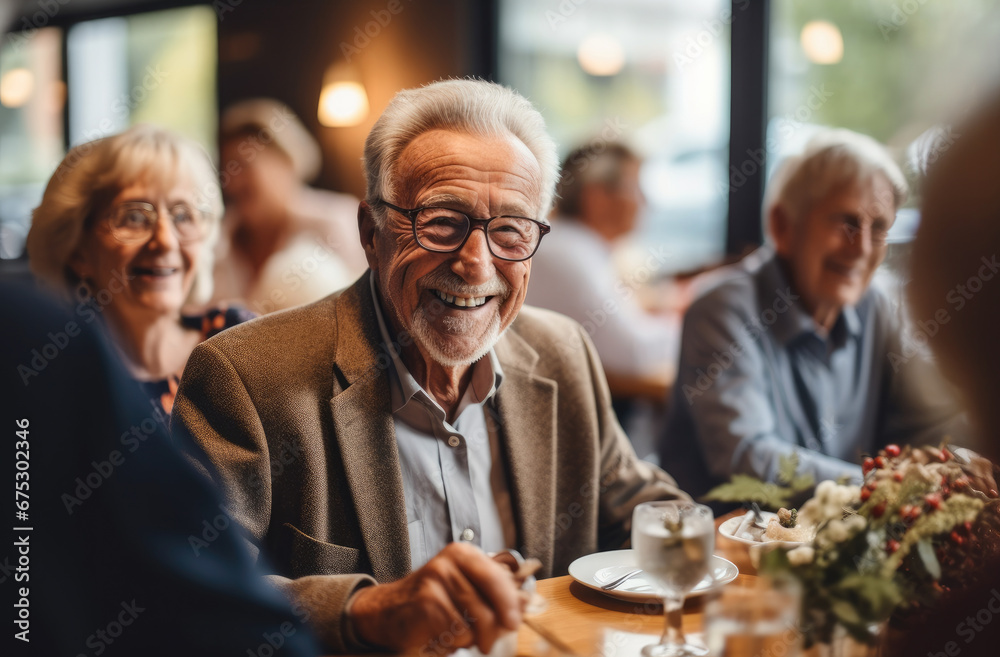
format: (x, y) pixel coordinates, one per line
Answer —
(447, 281)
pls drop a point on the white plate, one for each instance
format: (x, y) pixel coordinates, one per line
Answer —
(729, 527)
(595, 570)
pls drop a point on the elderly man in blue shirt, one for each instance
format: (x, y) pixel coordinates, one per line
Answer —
(791, 351)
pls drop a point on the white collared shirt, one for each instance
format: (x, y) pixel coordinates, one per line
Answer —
(454, 478)
(573, 273)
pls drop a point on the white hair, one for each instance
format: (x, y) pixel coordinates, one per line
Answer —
(472, 106)
(274, 123)
(92, 174)
(831, 161)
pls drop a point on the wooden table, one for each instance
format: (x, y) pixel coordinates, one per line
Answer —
(594, 624)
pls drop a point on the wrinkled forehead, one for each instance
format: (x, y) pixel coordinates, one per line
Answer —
(451, 160)
(869, 194)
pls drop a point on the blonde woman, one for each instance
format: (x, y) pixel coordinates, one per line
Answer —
(125, 230)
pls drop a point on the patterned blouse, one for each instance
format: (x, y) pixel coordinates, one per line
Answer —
(161, 393)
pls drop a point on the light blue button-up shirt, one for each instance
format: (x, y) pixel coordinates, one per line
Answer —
(758, 379)
(454, 479)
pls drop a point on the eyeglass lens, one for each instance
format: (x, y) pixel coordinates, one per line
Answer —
(441, 229)
(137, 222)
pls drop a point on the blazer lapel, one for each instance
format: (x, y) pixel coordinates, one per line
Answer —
(525, 405)
(366, 435)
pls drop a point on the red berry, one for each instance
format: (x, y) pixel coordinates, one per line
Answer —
(865, 494)
(892, 450)
(957, 538)
(897, 476)
(892, 546)
(968, 525)
(960, 483)
(933, 500)
(878, 510)
(909, 513)
(867, 465)
(879, 462)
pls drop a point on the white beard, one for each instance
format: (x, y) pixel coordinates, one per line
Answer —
(448, 352)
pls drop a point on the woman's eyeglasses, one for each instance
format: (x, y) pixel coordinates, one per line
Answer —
(135, 221)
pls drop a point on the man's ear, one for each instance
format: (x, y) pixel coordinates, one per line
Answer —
(780, 225)
(368, 230)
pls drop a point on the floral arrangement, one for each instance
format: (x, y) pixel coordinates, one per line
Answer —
(891, 548)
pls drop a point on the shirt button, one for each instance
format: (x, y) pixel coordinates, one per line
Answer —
(454, 441)
(468, 534)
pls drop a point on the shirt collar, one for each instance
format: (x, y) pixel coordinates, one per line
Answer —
(486, 372)
(794, 323)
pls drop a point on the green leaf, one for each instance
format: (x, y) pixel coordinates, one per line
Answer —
(744, 488)
(876, 598)
(787, 465)
(846, 612)
(802, 482)
(926, 553)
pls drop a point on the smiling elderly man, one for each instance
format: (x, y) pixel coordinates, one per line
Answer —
(398, 431)
(791, 351)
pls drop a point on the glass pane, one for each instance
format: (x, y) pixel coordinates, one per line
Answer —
(887, 68)
(157, 67)
(658, 78)
(32, 97)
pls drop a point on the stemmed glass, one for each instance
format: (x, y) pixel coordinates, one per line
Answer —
(673, 544)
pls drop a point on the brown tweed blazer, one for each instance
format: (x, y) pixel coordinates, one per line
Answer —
(289, 413)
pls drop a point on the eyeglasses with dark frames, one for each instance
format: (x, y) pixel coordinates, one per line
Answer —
(443, 230)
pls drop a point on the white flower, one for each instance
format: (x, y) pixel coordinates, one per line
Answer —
(846, 495)
(801, 555)
(828, 502)
(837, 531)
(825, 489)
(855, 523)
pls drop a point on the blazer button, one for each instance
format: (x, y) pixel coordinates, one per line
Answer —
(455, 441)
(468, 534)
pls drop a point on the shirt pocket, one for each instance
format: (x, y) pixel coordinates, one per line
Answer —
(418, 549)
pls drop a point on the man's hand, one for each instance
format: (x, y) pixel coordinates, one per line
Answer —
(980, 471)
(458, 599)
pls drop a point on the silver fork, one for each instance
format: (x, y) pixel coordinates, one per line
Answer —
(621, 580)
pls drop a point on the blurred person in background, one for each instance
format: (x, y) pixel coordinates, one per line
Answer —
(286, 243)
(956, 285)
(125, 230)
(792, 351)
(598, 203)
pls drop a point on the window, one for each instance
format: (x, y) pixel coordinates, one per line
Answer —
(157, 67)
(32, 98)
(654, 74)
(887, 68)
